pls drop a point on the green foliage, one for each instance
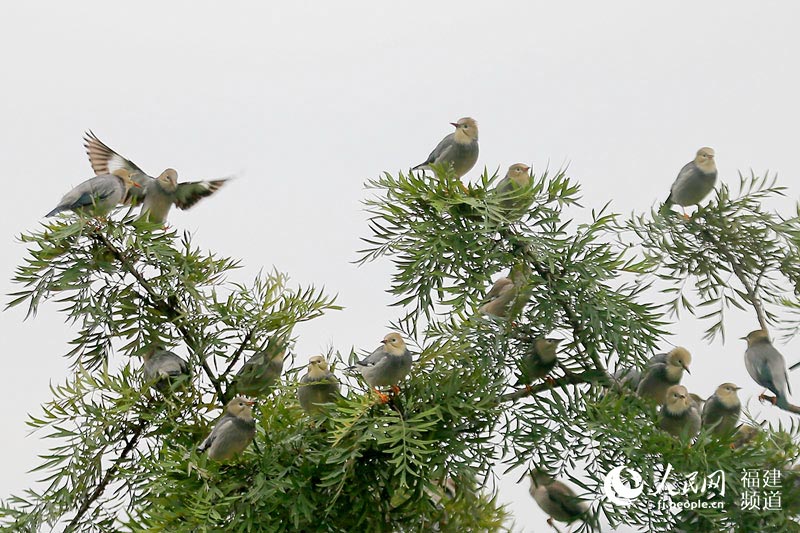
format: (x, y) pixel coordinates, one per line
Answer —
(123, 455)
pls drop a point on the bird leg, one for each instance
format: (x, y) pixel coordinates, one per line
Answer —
(551, 524)
(384, 398)
(550, 381)
(766, 398)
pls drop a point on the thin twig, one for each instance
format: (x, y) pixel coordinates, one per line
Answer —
(107, 477)
(589, 376)
(238, 353)
(157, 301)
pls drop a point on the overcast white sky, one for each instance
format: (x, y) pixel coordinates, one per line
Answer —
(308, 100)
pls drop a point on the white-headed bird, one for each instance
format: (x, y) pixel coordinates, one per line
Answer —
(721, 410)
(695, 180)
(318, 386)
(662, 372)
(767, 366)
(539, 361)
(458, 149)
(679, 415)
(97, 195)
(233, 432)
(387, 365)
(157, 195)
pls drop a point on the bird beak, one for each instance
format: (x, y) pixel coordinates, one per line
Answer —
(737, 388)
(686, 368)
(454, 124)
(251, 403)
(134, 184)
(742, 338)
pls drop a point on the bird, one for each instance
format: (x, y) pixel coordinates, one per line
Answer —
(233, 432)
(679, 415)
(499, 297)
(695, 180)
(318, 386)
(387, 365)
(744, 435)
(163, 368)
(157, 195)
(459, 149)
(99, 194)
(628, 378)
(261, 371)
(767, 366)
(538, 362)
(516, 179)
(556, 499)
(721, 410)
(661, 372)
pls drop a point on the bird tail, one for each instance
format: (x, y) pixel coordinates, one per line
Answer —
(667, 207)
(421, 166)
(55, 211)
(782, 402)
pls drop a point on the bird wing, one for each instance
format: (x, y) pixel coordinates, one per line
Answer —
(191, 192)
(561, 495)
(374, 358)
(443, 148)
(776, 367)
(219, 428)
(103, 159)
(687, 173)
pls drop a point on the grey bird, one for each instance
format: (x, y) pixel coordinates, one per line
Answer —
(744, 435)
(499, 298)
(98, 195)
(663, 371)
(721, 410)
(516, 180)
(556, 499)
(261, 371)
(163, 368)
(318, 386)
(679, 415)
(695, 180)
(767, 366)
(233, 432)
(458, 149)
(157, 195)
(538, 362)
(387, 365)
(628, 378)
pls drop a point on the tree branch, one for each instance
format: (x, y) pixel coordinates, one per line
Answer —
(107, 478)
(589, 376)
(157, 301)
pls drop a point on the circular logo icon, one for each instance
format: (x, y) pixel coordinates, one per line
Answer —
(618, 491)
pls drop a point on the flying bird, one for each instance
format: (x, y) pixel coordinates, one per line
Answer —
(98, 195)
(157, 195)
(318, 386)
(387, 365)
(458, 149)
(679, 415)
(695, 180)
(233, 432)
(767, 366)
(721, 410)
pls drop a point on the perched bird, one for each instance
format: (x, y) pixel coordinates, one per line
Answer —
(318, 386)
(387, 365)
(157, 195)
(767, 366)
(516, 178)
(538, 362)
(663, 371)
(679, 415)
(163, 368)
(262, 370)
(556, 499)
(499, 298)
(233, 432)
(721, 410)
(99, 194)
(744, 435)
(459, 149)
(695, 180)
(628, 378)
